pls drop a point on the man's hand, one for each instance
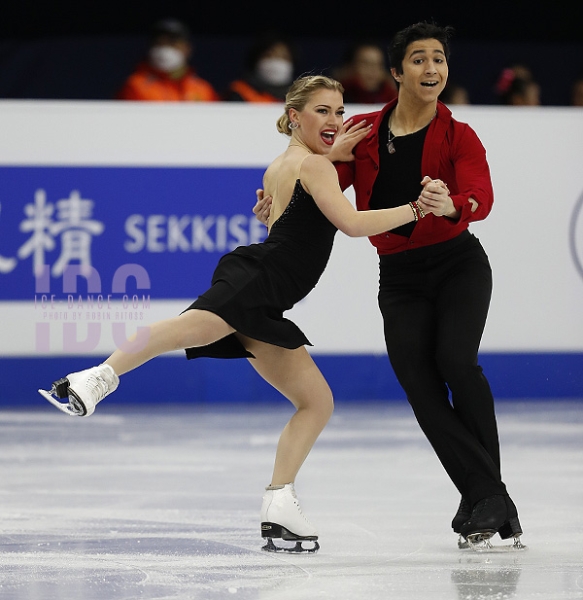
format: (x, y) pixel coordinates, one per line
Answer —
(263, 207)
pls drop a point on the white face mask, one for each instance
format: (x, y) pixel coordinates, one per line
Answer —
(275, 71)
(166, 58)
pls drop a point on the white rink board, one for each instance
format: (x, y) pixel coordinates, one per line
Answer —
(535, 154)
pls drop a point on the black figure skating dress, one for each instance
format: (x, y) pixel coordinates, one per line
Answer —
(253, 285)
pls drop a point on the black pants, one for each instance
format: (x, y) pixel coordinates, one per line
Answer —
(434, 301)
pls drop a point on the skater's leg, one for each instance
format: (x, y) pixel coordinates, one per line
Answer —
(87, 388)
(296, 376)
(190, 329)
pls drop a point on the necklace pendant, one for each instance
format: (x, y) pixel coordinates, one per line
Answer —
(391, 147)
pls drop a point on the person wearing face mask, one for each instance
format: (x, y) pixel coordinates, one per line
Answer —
(269, 70)
(165, 75)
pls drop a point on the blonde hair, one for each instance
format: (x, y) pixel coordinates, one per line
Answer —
(299, 94)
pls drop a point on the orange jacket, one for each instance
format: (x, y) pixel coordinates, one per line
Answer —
(147, 83)
(249, 94)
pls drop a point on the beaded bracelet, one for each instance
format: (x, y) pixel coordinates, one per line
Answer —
(418, 207)
(414, 211)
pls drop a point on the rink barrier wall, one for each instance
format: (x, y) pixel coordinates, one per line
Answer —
(157, 192)
(174, 380)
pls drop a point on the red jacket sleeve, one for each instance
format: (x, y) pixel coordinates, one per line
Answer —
(470, 175)
(345, 174)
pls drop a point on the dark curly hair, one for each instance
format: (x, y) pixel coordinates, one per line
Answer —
(419, 31)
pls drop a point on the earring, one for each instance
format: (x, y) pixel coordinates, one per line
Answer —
(293, 125)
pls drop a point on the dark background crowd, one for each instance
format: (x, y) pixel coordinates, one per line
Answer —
(512, 52)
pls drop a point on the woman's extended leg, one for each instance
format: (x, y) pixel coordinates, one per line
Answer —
(86, 388)
(190, 329)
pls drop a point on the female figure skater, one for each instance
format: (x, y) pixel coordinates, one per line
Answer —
(241, 315)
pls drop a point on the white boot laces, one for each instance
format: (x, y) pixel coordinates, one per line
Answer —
(98, 387)
(299, 508)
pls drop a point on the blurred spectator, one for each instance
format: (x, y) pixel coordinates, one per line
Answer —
(517, 87)
(522, 71)
(269, 70)
(577, 92)
(365, 76)
(454, 93)
(165, 74)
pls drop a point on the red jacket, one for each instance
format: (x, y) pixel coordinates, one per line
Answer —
(452, 152)
(148, 83)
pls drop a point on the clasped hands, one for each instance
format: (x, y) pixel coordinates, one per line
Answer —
(435, 198)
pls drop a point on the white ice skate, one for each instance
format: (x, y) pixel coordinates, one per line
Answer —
(282, 517)
(83, 390)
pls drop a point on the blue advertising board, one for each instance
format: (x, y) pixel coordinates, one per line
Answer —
(86, 230)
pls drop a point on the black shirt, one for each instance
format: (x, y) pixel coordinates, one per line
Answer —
(399, 179)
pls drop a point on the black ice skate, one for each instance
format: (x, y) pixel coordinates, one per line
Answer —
(496, 514)
(464, 512)
(282, 517)
(83, 390)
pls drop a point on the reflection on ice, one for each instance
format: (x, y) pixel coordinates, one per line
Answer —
(486, 584)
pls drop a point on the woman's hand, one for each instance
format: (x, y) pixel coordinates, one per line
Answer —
(347, 137)
(263, 207)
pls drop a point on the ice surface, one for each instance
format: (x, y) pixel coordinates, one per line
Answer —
(163, 503)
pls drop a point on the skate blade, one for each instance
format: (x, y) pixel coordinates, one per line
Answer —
(65, 407)
(462, 543)
(482, 544)
(297, 549)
